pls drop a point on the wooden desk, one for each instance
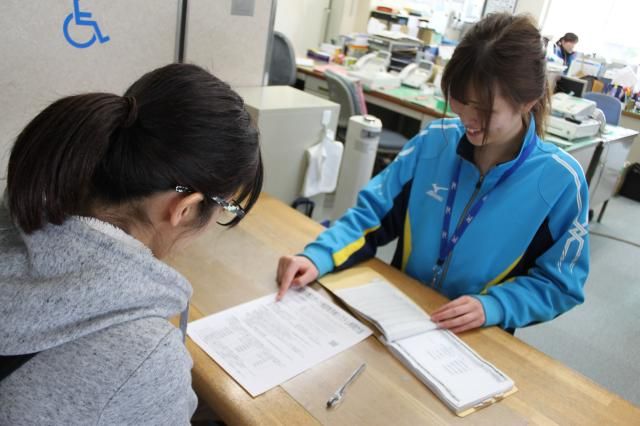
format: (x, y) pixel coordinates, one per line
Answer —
(230, 267)
(315, 83)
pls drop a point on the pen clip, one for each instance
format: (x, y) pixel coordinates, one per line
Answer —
(336, 398)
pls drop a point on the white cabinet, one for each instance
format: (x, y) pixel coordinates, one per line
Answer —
(290, 121)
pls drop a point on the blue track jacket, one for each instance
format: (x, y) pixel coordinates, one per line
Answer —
(567, 58)
(526, 254)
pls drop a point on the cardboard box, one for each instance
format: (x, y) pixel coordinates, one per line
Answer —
(427, 35)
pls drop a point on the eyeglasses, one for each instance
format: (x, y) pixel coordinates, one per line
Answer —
(230, 207)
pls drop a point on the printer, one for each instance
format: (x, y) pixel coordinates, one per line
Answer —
(371, 70)
(572, 118)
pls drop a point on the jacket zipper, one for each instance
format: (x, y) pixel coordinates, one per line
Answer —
(445, 268)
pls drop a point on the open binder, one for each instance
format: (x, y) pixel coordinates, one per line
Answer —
(461, 378)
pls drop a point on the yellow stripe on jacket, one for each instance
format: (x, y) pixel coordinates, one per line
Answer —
(406, 246)
(345, 253)
(497, 280)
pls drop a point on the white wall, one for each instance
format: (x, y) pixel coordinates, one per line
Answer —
(348, 16)
(304, 22)
(536, 8)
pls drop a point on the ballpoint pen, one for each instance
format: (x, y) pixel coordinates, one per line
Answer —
(337, 397)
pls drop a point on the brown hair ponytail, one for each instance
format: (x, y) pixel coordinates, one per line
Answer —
(501, 51)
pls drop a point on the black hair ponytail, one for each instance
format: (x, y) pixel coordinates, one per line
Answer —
(568, 37)
(176, 125)
(56, 156)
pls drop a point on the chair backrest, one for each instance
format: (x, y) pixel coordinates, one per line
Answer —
(611, 107)
(282, 69)
(345, 92)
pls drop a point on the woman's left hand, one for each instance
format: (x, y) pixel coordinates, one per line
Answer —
(462, 314)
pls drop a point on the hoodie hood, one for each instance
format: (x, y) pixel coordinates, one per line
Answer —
(66, 281)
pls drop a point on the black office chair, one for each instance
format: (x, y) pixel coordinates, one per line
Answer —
(344, 91)
(282, 69)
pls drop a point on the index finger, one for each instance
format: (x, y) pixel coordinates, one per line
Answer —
(286, 280)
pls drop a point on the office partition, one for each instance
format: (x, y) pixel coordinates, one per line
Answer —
(230, 38)
(62, 47)
(55, 48)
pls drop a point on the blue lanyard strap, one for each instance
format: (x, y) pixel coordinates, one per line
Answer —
(447, 245)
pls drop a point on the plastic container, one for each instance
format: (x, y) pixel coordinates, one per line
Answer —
(357, 50)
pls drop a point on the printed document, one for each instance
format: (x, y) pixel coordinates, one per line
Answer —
(264, 343)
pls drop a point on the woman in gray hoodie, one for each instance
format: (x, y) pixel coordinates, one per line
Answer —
(100, 188)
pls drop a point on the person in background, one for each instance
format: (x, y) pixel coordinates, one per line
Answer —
(564, 49)
(484, 210)
(100, 188)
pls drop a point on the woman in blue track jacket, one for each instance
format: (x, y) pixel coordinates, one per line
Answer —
(564, 49)
(485, 211)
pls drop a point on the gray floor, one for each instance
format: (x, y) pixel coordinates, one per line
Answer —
(600, 338)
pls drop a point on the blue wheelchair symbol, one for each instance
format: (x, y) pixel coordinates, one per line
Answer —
(79, 19)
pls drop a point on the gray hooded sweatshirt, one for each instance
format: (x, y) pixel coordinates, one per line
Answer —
(93, 302)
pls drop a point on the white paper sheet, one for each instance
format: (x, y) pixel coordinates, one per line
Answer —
(392, 311)
(458, 373)
(264, 343)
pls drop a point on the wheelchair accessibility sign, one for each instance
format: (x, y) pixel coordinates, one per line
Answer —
(80, 30)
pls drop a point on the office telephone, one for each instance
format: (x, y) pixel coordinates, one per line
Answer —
(415, 75)
(374, 62)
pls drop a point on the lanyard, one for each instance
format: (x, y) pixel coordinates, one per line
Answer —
(447, 245)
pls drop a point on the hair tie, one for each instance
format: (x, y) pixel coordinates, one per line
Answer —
(132, 114)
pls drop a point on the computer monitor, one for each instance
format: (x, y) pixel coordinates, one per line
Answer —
(570, 85)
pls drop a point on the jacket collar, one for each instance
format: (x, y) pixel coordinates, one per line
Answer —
(465, 148)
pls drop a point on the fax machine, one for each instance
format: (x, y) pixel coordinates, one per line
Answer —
(572, 118)
(371, 70)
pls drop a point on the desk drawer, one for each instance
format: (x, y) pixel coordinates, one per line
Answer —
(317, 87)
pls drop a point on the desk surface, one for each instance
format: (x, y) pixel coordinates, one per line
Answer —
(631, 114)
(229, 267)
(280, 98)
(413, 101)
(611, 134)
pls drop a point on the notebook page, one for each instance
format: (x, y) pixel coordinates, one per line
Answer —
(451, 368)
(388, 308)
